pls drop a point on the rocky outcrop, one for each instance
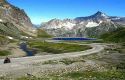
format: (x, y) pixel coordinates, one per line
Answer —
(15, 16)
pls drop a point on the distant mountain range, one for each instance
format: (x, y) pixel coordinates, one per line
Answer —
(90, 26)
(14, 21)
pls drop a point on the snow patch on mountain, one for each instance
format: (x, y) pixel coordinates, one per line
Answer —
(104, 15)
(117, 18)
(92, 24)
(68, 25)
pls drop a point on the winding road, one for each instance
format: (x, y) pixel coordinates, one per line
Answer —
(21, 66)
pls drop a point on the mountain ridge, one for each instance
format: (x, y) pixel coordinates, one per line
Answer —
(16, 16)
(96, 24)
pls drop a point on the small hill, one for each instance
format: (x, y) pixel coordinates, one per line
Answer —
(43, 34)
(114, 36)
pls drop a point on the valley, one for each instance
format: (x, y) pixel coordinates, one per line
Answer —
(81, 48)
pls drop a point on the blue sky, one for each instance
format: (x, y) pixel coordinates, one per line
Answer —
(44, 10)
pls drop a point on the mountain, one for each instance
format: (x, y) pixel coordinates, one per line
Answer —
(90, 26)
(14, 21)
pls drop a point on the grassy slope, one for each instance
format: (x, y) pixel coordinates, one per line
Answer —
(9, 29)
(115, 36)
(42, 34)
(4, 53)
(3, 40)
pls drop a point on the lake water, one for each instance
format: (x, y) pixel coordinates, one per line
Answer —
(74, 39)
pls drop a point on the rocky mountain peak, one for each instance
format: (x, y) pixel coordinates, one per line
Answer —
(55, 19)
(97, 17)
(100, 14)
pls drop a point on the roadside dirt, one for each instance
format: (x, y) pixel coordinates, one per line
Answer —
(14, 49)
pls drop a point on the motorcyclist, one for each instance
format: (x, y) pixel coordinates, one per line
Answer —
(7, 60)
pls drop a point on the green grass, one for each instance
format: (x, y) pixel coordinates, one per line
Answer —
(65, 61)
(57, 48)
(68, 61)
(3, 40)
(86, 42)
(4, 53)
(93, 75)
(43, 34)
(50, 62)
(33, 78)
(122, 49)
(82, 75)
